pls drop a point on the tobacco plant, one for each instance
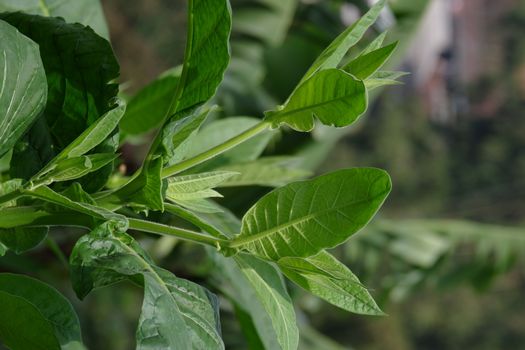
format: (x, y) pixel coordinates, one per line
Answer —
(60, 116)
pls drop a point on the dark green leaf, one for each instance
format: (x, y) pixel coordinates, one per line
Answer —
(150, 188)
(147, 109)
(21, 239)
(23, 87)
(326, 277)
(365, 65)
(302, 218)
(176, 313)
(333, 96)
(22, 326)
(44, 319)
(79, 67)
(87, 12)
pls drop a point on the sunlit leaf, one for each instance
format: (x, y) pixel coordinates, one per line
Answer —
(303, 218)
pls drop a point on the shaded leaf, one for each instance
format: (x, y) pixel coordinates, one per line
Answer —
(21, 239)
(302, 218)
(44, 318)
(23, 87)
(147, 109)
(87, 12)
(79, 67)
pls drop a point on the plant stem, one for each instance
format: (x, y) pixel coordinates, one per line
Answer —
(10, 196)
(215, 151)
(160, 229)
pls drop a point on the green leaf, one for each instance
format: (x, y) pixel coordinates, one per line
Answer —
(74, 168)
(374, 44)
(147, 109)
(303, 218)
(222, 130)
(22, 326)
(258, 288)
(324, 276)
(178, 134)
(194, 218)
(268, 171)
(207, 52)
(8, 187)
(35, 315)
(95, 134)
(332, 96)
(23, 88)
(87, 12)
(199, 205)
(79, 67)
(196, 186)
(48, 195)
(21, 239)
(382, 78)
(334, 53)
(365, 65)
(150, 188)
(176, 313)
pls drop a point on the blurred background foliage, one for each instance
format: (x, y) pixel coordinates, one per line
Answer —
(445, 256)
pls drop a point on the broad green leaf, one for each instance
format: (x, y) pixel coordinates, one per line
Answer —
(269, 171)
(21, 239)
(176, 313)
(335, 52)
(256, 286)
(332, 96)
(23, 87)
(35, 314)
(74, 168)
(87, 12)
(222, 130)
(79, 66)
(147, 109)
(365, 65)
(22, 326)
(177, 136)
(48, 195)
(324, 276)
(196, 186)
(207, 52)
(303, 218)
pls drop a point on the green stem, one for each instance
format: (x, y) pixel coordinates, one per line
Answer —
(11, 196)
(160, 229)
(215, 151)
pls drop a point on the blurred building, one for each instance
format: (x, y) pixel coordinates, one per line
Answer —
(457, 47)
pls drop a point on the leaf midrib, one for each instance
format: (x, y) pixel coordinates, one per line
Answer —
(246, 239)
